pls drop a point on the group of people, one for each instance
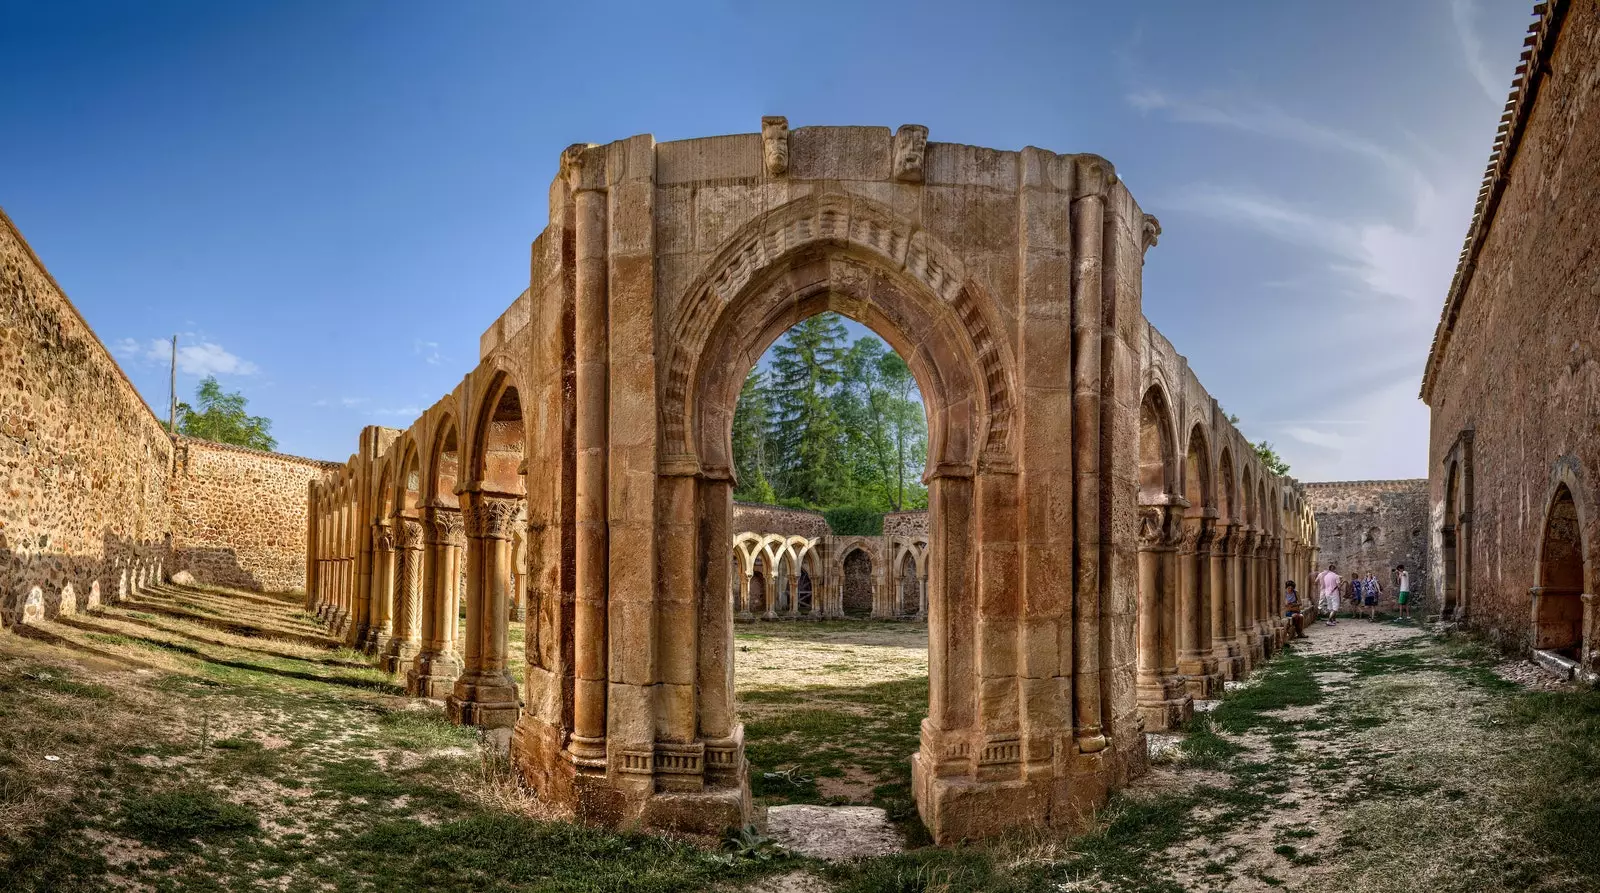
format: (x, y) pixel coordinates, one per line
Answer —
(1362, 592)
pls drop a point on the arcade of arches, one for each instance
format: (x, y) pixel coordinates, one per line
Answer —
(1102, 545)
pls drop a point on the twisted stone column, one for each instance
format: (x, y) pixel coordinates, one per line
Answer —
(380, 623)
(433, 673)
(485, 694)
(403, 646)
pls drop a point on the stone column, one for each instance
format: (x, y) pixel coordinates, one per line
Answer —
(402, 648)
(1463, 564)
(1238, 560)
(1195, 661)
(1589, 648)
(433, 673)
(591, 432)
(1163, 699)
(485, 695)
(769, 612)
(743, 604)
(1224, 645)
(794, 595)
(381, 622)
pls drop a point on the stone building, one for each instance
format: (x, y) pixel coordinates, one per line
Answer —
(96, 499)
(1373, 527)
(1513, 378)
(1102, 545)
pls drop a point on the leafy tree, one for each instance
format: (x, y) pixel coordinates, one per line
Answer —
(1270, 458)
(222, 418)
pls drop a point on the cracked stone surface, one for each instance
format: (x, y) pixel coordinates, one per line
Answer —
(834, 832)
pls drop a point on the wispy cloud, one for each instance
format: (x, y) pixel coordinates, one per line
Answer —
(1465, 17)
(429, 351)
(199, 359)
(409, 412)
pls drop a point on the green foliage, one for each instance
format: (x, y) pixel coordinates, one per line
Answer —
(222, 418)
(829, 424)
(854, 520)
(1270, 458)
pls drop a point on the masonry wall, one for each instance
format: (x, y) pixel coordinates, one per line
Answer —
(906, 524)
(1520, 371)
(83, 461)
(1372, 527)
(239, 515)
(756, 518)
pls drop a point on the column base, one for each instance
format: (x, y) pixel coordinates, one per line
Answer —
(357, 634)
(488, 702)
(518, 615)
(1062, 794)
(433, 675)
(1164, 703)
(398, 656)
(605, 795)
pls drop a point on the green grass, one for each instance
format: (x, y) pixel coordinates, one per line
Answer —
(183, 818)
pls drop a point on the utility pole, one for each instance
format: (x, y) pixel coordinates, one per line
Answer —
(172, 391)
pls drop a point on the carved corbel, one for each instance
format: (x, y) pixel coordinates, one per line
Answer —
(775, 144)
(910, 152)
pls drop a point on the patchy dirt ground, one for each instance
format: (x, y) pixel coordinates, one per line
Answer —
(210, 740)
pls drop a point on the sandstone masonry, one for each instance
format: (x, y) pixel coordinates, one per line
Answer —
(90, 507)
(1373, 526)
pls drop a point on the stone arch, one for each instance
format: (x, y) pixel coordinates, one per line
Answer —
(1562, 567)
(444, 469)
(1226, 482)
(1198, 486)
(1157, 458)
(497, 444)
(856, 575)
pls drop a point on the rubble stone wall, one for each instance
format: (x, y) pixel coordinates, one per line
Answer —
(239, 515)
(1514, 380)
(751, 517)
(83, 460)
(906, 524)
(1371, 527)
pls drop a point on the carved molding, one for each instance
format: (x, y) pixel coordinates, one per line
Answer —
(1151, 232)
(445, 527)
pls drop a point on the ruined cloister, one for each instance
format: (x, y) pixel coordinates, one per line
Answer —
(1103, 547)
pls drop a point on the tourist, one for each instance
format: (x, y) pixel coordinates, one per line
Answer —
(1403, 584)
(1330, 582)
(1370, 590)
(1291, 610)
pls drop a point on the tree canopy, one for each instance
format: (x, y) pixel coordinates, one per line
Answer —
(831, 424)
(221, 417)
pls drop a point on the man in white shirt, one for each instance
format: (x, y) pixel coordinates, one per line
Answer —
(1329, 582)
(1403, 583)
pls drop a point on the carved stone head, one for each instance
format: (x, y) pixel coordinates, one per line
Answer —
(775, 144)
(1152, 231)
(910, 150)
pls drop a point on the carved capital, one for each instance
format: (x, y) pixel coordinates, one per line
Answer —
(490, 517)
(775, 144)
(444, 527)
(1159, 527)
(910, 152)
(1093, 175)
(382, 538)
(410, 533)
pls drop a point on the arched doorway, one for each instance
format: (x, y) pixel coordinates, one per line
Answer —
(433, 673)
(1557, 597)
(486, 694)
(638, 351)
(1163, 698)
(1450, 563)
(859, 592)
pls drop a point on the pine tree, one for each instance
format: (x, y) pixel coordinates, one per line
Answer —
(804, 447)
(751, 424)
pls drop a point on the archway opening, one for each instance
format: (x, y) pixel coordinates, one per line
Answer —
(1558, 604)
(1447, 539)
(829, 438)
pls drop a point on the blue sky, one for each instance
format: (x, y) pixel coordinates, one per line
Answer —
(330, 201)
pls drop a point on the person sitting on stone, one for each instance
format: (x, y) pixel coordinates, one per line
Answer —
(1291, 610)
